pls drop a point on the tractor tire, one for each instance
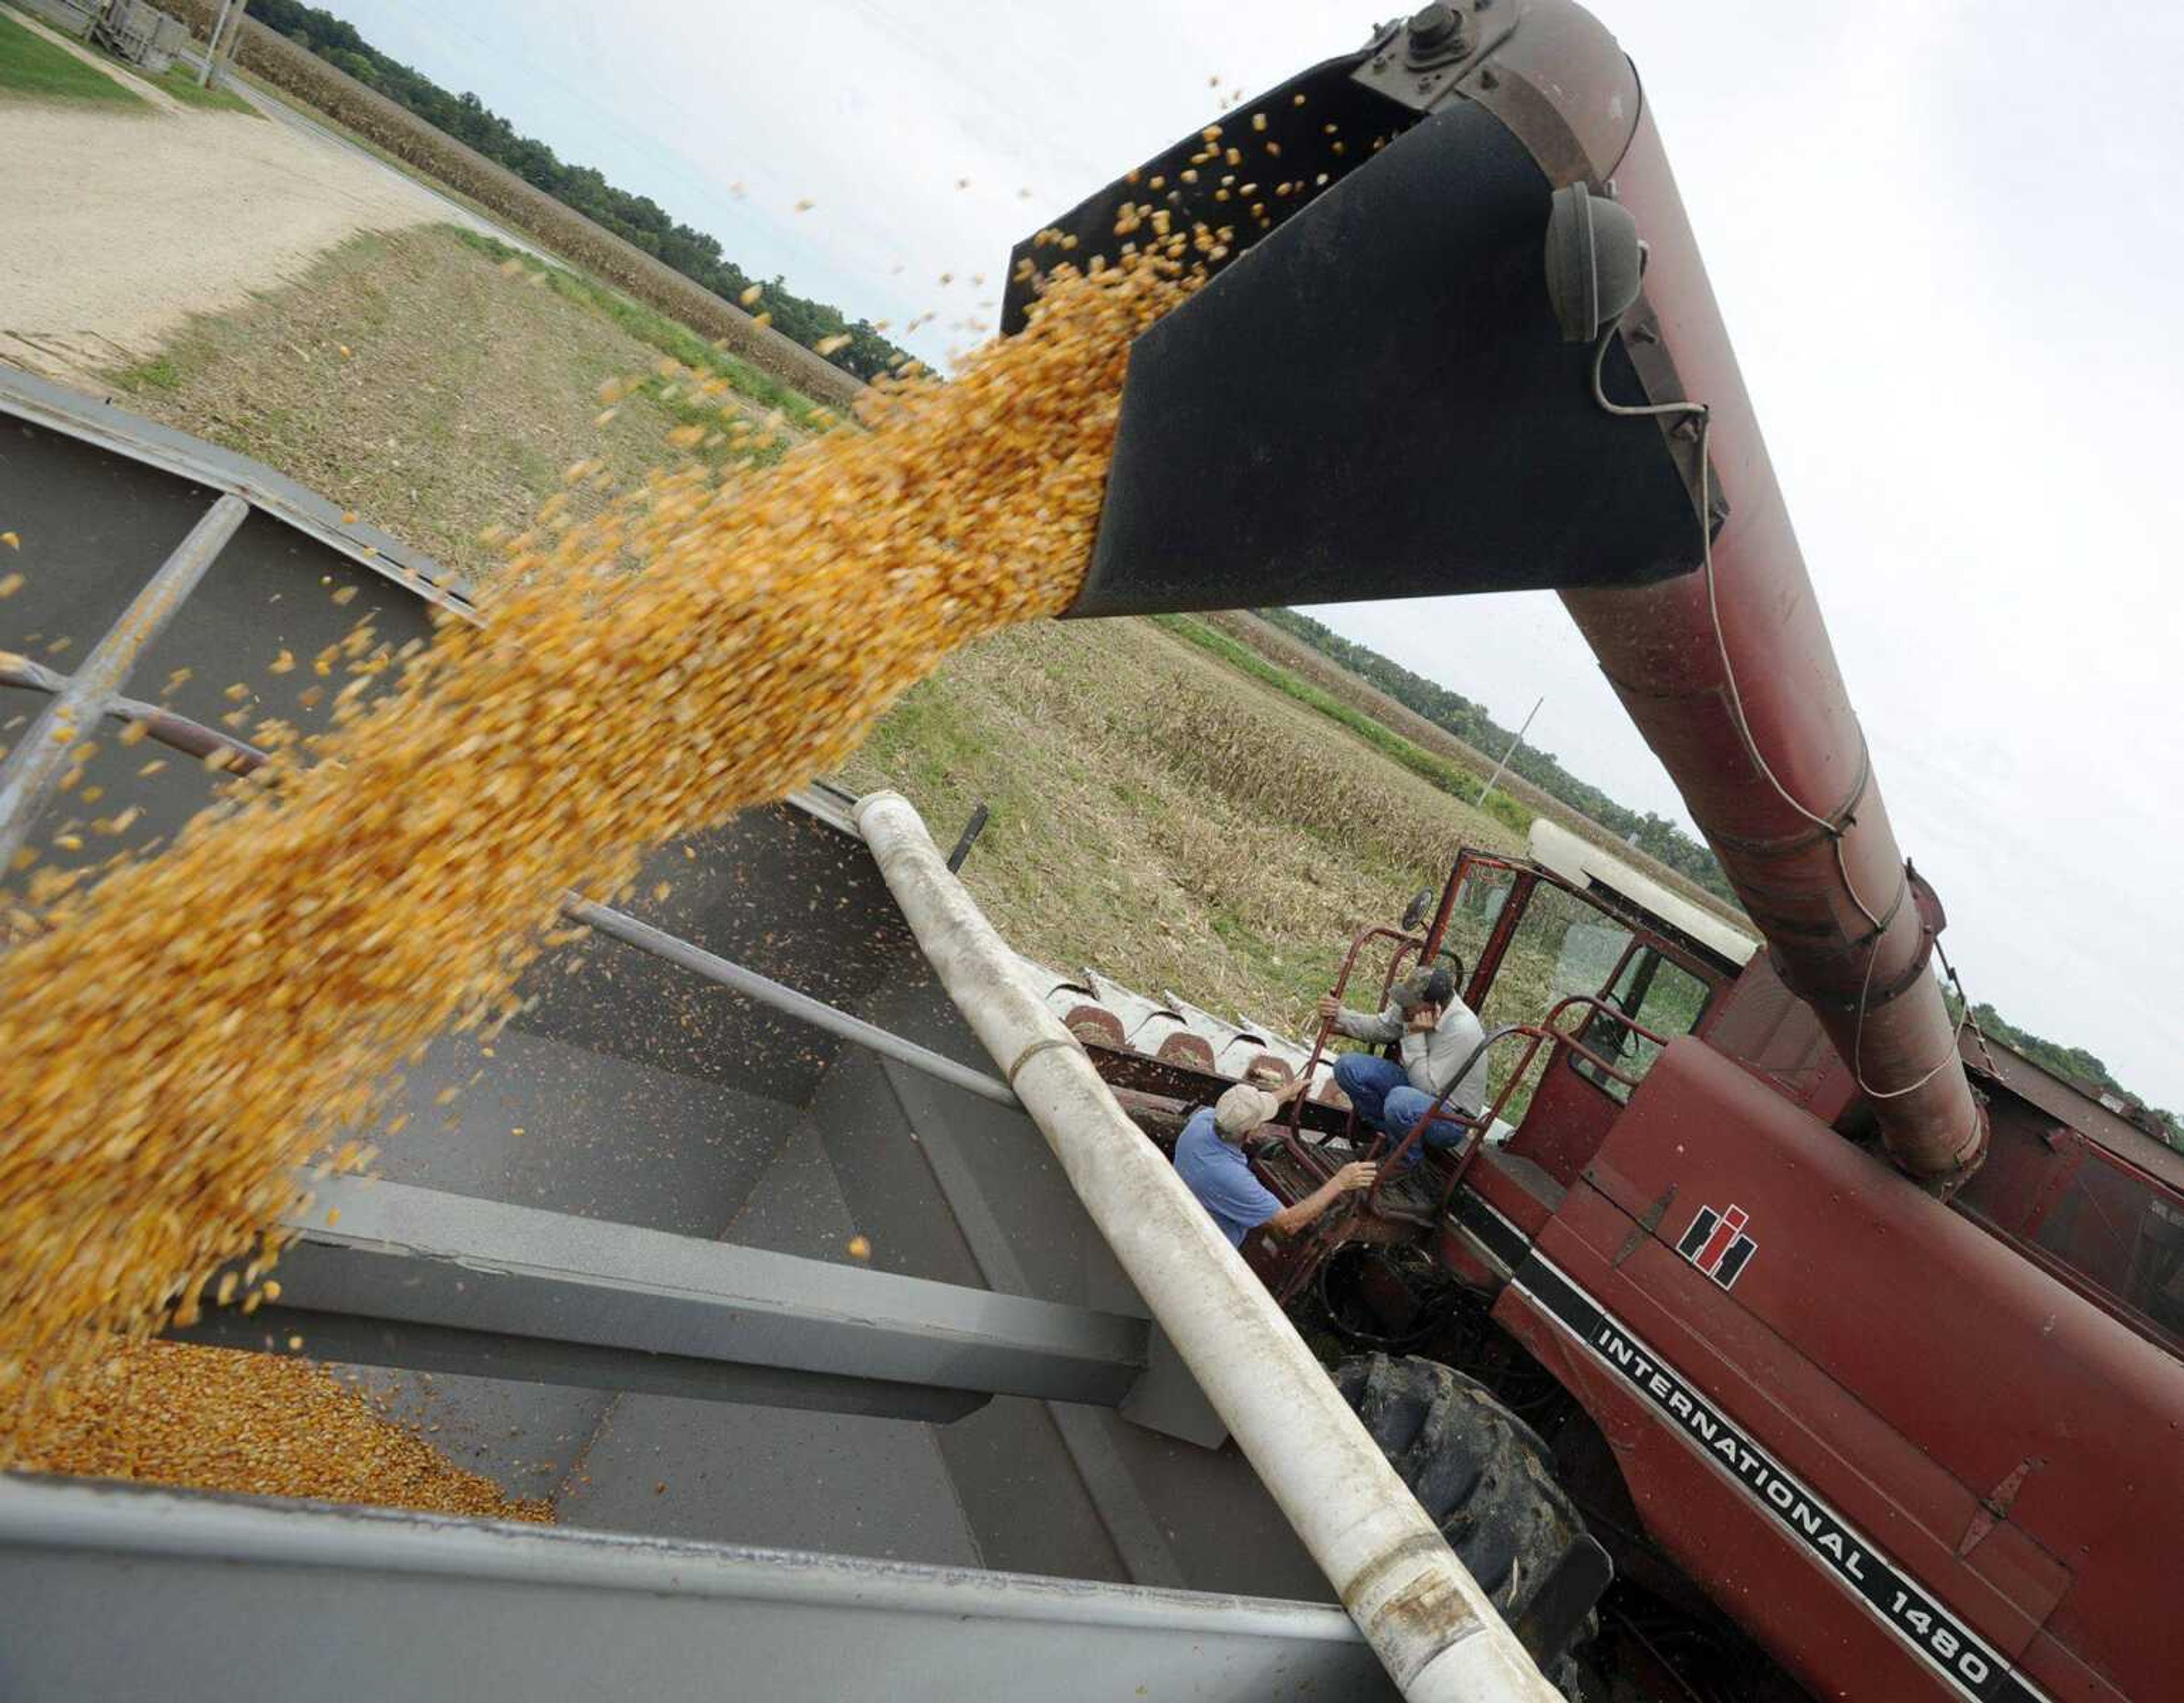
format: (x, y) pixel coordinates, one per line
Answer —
(1483, 1475)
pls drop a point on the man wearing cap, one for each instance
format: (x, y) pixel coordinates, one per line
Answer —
(1437, 1035)
(1209, 1157)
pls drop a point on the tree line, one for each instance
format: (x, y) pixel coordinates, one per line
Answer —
(638, 220)
(1654, 835)
(2079, 1065)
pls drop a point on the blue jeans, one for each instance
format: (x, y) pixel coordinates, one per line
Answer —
(1385, 1099)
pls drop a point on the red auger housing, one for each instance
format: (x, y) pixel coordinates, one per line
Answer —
(1912, 1425)
(1380, 227)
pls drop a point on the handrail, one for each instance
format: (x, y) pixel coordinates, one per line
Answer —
(1614, 1015)
(1437, 933)
(1546, 1030)
(1477, 1124)
(1291, 1136)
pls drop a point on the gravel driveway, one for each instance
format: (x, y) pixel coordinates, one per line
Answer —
(114, 227)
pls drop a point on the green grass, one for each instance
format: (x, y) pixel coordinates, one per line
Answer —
(672, 339)
(1377, 734)
(159, 373)
(181, 83)
(31, 66)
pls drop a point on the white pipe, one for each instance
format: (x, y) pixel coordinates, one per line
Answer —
(1433, 1628)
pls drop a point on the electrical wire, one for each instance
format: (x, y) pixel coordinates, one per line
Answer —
(1830, 826)
(1705, 417)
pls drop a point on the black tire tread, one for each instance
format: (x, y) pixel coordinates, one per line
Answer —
(1483, 1475)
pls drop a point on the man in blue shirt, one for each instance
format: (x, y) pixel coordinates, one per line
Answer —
(1209, 1157)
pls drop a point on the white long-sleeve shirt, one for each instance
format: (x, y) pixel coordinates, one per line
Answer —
(1432, 1058)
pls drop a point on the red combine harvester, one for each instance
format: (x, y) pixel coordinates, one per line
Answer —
(1832, 1322)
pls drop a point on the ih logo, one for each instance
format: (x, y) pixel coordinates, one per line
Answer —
(1716, 1243)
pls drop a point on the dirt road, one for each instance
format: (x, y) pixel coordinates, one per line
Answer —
(118, 226)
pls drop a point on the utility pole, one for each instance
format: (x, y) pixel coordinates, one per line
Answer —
(212, 42)
(1507, 755)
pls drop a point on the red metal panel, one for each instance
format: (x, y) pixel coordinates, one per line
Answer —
(1966, 1362)
(1566, 1122)
(1774, 1034)
(1747, 1564)
(1909, 1504)
(1706, 1524)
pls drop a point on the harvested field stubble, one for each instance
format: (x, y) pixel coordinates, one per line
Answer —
(1115, 841)
(388, 378)
(207, 1020)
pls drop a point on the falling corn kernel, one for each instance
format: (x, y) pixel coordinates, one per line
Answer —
(859, 1248)
(749, 296)
(345, 594)
(13, 541)
(10, 584)
(146, 1151)
(349, 517)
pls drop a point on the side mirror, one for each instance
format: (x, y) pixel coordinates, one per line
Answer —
(1419, 908)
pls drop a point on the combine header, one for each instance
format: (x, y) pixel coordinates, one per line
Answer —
(1761, 1337)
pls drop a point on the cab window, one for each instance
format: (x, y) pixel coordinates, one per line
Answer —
(1653, 992)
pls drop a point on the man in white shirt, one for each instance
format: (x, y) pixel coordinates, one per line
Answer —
(1438, 1035)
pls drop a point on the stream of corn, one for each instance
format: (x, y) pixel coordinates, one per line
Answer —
(210, 1019)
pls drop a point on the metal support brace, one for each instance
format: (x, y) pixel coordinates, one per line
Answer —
(177, 733)
(35, 766)
(119, 1591)
(418, 1278)
(621, 926)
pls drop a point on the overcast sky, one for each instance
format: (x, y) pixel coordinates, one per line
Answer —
(1949, 251)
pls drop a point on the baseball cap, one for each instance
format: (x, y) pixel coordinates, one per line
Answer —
(1242, 1109)
(1434, 986)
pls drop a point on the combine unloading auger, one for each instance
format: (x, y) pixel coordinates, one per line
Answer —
(1459, 339)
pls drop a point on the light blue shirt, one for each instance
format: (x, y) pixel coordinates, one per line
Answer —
(1221, 1177)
